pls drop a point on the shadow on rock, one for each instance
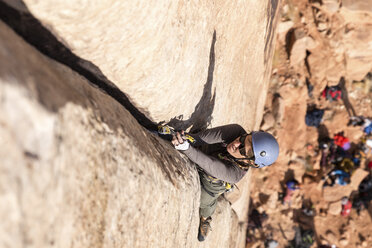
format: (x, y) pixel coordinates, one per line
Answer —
(202, 115)
(349, 108)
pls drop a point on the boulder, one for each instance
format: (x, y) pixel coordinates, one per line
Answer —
(357, 5)
(335, 208)
(324, 67)
(344, 242)
(298, 52)
(282, 30)
(331, 5)
(331, 237)
(268, 121)
(298, 167)
(358, 55)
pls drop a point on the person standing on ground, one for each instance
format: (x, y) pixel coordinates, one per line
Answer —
(224, 155)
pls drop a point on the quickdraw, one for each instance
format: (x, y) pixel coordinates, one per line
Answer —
(167, 130)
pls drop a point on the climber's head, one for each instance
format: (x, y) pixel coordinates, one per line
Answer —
(257, 149)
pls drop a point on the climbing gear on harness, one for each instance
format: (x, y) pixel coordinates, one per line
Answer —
(204, 227)
(228, 186)
(168, 130)
(213, 180)
(165, 129)
(265, 148)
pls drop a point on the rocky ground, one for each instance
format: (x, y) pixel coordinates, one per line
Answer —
(318, 43)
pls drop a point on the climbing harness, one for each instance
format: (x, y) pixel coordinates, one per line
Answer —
(228, 186)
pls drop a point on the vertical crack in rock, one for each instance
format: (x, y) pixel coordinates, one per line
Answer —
(30, 29)
(272, 18)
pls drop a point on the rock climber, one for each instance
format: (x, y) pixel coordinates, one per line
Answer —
(224, 155)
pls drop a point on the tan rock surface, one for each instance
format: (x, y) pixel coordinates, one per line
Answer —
(298, 51)
(335, 208)
(164, 56)
(78, 171)
(365, 5)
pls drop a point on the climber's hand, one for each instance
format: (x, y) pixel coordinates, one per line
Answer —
(177, 138)
(179, 142)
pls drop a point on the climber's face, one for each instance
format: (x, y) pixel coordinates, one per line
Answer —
(241, 148)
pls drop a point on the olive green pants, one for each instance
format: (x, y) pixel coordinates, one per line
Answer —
(210, 191)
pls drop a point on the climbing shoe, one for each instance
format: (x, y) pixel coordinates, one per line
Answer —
(204, 227)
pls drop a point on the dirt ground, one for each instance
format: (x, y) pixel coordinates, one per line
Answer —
(315, 45)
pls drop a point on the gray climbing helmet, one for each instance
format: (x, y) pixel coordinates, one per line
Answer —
(265, 148)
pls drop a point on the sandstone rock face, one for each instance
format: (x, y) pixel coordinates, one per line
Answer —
(78, 171)
(178, 58)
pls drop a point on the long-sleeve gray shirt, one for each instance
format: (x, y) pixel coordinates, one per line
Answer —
(214, 141)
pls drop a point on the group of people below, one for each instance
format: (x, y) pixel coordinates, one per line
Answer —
(343, 157)
(340, 159)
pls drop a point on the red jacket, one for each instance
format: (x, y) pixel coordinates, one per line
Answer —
(346, 209)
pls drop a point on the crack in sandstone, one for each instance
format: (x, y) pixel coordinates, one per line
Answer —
(30, 29)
